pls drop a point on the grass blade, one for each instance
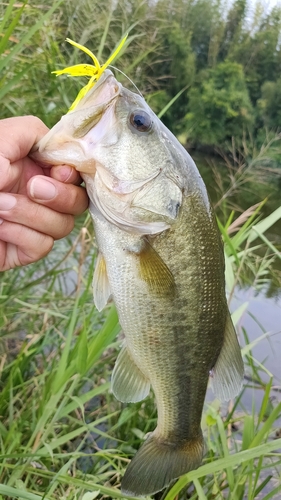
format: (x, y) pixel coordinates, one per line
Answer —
(265, 224)
(20, 494)
(29, 34)
(9, 30)
(222, 464)
(171, 102)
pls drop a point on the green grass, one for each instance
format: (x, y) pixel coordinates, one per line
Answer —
(62, 434)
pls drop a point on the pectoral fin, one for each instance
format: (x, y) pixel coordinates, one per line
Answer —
(101, 286)
(228, 372)
(155, 272)
(128, 383)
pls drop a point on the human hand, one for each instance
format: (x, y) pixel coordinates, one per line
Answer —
(37, 205)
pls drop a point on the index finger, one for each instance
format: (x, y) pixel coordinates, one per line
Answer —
(18, 135)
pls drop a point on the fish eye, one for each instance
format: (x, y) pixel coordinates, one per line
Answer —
(140, 120)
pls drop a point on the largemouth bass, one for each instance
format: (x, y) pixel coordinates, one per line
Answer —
(161, 261)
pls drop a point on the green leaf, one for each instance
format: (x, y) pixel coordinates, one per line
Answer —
(230, 248)
(266, 428)
(20, 494)
(82, 356)
(248, 431)
(262, 486)
(13, 21)
(210, 421)
(265, 224)
(222, 464)
(171, 102)
(230, 279)
(28, 35)
(238, 313)
(91, 495)
(266, 241)
(199, 490)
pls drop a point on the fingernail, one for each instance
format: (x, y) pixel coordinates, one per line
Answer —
(7, 201)
(42, 189)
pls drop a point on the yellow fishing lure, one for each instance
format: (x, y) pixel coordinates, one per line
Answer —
(93, 70)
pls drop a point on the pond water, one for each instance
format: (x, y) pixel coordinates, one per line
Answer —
(262, 319)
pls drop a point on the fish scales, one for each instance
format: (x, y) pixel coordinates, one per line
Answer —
(161, 260)
(156, 329)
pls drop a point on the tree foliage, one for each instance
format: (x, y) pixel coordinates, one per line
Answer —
(270, 104)
(219, 106)
(225, 55)
(230, 61)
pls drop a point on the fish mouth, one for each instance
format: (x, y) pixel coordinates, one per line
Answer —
(72, 139)
(102, 92)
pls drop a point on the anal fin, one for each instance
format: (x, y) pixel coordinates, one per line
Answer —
(101, 288)
(228, 372)
(128, 383)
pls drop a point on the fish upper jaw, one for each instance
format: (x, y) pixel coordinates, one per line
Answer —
(73, 139)
(106, 88)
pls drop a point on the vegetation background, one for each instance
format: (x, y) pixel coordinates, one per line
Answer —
(211, 70)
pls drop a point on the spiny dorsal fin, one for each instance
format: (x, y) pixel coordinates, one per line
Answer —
(228, 372)
(155, 272)
(128, 383)
(101, 288)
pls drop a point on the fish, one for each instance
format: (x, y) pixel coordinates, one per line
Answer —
(161, 261)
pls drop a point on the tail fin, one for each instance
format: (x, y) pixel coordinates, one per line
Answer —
(158, 462)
